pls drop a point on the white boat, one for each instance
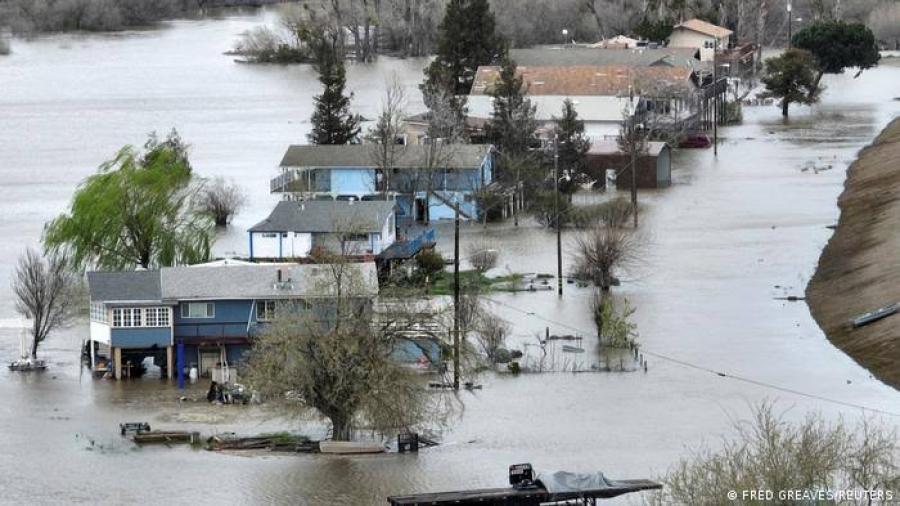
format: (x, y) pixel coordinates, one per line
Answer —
(349, 447)
(26, 363)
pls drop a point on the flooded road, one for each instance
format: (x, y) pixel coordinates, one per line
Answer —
(718, 244)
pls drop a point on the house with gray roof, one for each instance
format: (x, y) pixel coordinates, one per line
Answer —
(295, 229)
(205, 316)
(426, 180)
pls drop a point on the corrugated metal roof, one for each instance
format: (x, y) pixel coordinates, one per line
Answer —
(583, 80)
(458, 156)
(260, 281)
(698, 25)
(126, 286)
(316, 216)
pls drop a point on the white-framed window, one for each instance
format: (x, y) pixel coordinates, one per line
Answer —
(265, 310)
(156, 317)
(198, 310)
(270, 235)
(98, 312)
(127, 317)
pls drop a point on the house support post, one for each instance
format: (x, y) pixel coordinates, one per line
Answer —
(93, 354)
(117, 361)
(170, 363)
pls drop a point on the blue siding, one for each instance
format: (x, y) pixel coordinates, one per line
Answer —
(352, 181)
(229, 320)
(140, 337)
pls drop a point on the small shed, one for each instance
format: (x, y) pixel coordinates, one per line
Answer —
(654, 166)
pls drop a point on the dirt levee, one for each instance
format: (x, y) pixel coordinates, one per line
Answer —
(859, 270)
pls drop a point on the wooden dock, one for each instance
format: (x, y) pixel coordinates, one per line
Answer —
(522, 497)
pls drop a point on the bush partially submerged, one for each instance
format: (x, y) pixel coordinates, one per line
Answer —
(483, 256)
(770, 453)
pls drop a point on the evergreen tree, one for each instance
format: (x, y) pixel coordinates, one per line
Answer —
(837, 45)
(512, 124)
(467, 38)
(573, 147)
(332, 121)
(791, 77)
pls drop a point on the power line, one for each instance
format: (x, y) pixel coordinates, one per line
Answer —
(701, 368)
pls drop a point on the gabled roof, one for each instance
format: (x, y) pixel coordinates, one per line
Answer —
(581, 80)
(638, 57)
(700, 26)
(261, 281)
(126, 286)
(459, 156)
(316, 216)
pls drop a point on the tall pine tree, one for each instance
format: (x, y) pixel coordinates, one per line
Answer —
(573, 147)
(467, 38)
(512, 124)
(332, 122)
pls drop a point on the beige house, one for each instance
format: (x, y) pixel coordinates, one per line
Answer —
(698, 34)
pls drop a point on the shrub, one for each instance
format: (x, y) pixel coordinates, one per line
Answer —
(429, 263)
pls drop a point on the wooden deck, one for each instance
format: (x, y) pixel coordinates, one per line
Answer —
(521, 497)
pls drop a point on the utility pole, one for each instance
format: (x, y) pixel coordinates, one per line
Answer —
(790, 28)
(456, 298)
(715, 105)
(633, 148)
(559, 278)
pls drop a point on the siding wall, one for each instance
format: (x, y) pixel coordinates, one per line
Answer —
(230, 321)
(141, 337)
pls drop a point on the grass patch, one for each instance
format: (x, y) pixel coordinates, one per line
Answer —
(285, 438)
(443, 285)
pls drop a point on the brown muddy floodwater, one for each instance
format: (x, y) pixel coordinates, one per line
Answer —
(721, 241)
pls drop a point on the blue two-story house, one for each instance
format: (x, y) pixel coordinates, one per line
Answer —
(208, 313)
(426, 180)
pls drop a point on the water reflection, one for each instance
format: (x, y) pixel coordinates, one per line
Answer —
(728, 236)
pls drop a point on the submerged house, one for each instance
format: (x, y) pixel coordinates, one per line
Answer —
(426, 181)
(295, 229)
(208, 314)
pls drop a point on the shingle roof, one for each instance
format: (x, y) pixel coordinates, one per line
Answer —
(639, 57)
(260, 281)
(128, 286)
(581, 80)
(461, 156)
(698, 25)
(326, 216)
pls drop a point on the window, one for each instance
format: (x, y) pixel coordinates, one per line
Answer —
(265, 310)
(98, 312)
(127, 317)
(198, 310)
(270, 235)
(156, 317)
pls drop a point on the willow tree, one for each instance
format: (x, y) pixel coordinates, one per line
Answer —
(137, 210)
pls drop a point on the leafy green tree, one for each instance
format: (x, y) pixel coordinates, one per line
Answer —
(332, 121)
(573, 148)
(136, 210)
(512, 124)
(791, 77)
(837, 45)
(467, 38)
(656, 31)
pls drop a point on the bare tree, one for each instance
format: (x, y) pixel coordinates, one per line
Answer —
(483, 256)
(221, 200)
(43, 294)
(334, 354)
(384, 137)
(490, 334)
(601, 251)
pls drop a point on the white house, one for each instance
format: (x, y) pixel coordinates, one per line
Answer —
(698, 34)
(295, 228)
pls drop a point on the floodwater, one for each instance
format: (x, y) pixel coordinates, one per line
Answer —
(731, 234)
